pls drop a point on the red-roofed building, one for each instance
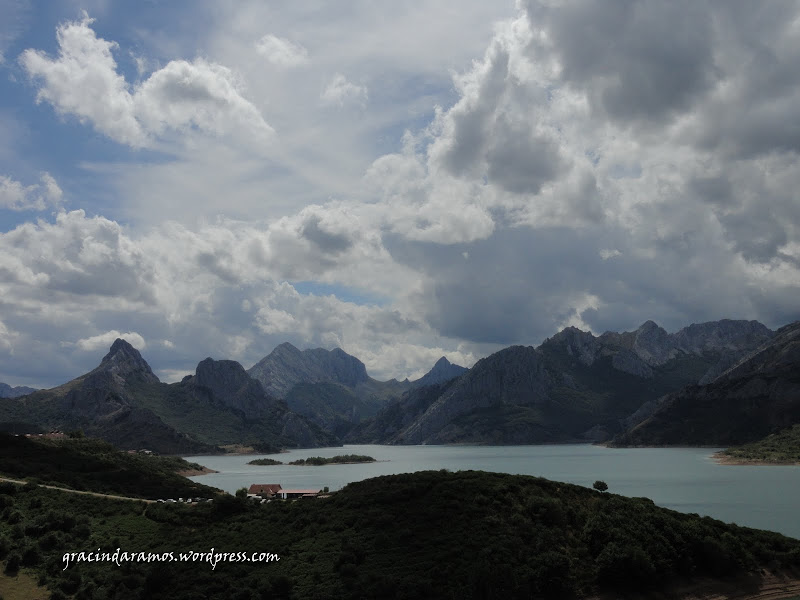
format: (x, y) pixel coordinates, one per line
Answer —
(265, 490)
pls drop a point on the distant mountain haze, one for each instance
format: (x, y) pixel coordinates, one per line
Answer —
(6, 391)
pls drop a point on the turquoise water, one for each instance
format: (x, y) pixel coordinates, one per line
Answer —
(684, 479)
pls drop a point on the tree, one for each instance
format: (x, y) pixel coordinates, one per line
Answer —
(600, 486)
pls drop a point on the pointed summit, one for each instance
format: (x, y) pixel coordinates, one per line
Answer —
(123, 360)
(441, 363)
(441, 372)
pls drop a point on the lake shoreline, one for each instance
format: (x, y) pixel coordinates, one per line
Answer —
(723, 459)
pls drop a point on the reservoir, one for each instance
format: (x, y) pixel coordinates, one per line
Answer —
(683, 479)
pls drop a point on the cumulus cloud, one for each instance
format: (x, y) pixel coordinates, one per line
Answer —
(281, 52)
(598, 167)
(83, 81)
(104, 340)
(340, 92)
(38, 196)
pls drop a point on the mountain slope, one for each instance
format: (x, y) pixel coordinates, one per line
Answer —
(574, 386)
(123, 402)
(330, 387)
(442, 372)
(757, 397)
(287, 366)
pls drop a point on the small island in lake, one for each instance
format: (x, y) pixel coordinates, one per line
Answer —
(344, 459)
(265, 462)
(781, 448)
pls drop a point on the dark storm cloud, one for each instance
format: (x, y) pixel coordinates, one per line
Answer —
(520, 286)
(639, 60)
(520, 162)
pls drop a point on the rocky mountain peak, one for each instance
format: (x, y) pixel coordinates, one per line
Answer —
(286, 366)
(123, 361)
(580, 344)
(220, 373)
(726, 334)
(230, 384)
(442, 363)
(441, 372)
(653, 344)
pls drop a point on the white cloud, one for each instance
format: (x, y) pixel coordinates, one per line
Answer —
(281, 52)
(341, 92)
(606, 253)
(584, 183)
(104, 340)
(38, 197)
(7, 338)
(83, 81)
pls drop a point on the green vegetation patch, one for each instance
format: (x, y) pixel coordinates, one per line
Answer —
(342, 459)
(96, 466)
(265, 462)
(421, 535)
(778, 448)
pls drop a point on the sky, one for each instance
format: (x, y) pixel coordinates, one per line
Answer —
(402, 180)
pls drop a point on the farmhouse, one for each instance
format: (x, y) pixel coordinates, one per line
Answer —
(264, 490)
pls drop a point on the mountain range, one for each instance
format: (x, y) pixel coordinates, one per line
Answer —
(754, 398)
(575, 386)
(123, 402)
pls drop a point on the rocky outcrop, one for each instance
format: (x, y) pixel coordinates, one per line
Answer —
(229, 383)
(628, 362)
(125, 364)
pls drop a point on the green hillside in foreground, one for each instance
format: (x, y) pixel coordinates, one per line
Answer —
(96, 466)
(778, 448)
(422, 535)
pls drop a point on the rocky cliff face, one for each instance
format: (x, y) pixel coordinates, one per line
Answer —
(514, 376)
(330, 387)
(574, 386)
(229, 383)
(287, 366)
(124, 363)
(6, 391)
(759, 395)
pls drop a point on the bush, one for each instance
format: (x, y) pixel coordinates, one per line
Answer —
(600, 486)
(13, 563)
